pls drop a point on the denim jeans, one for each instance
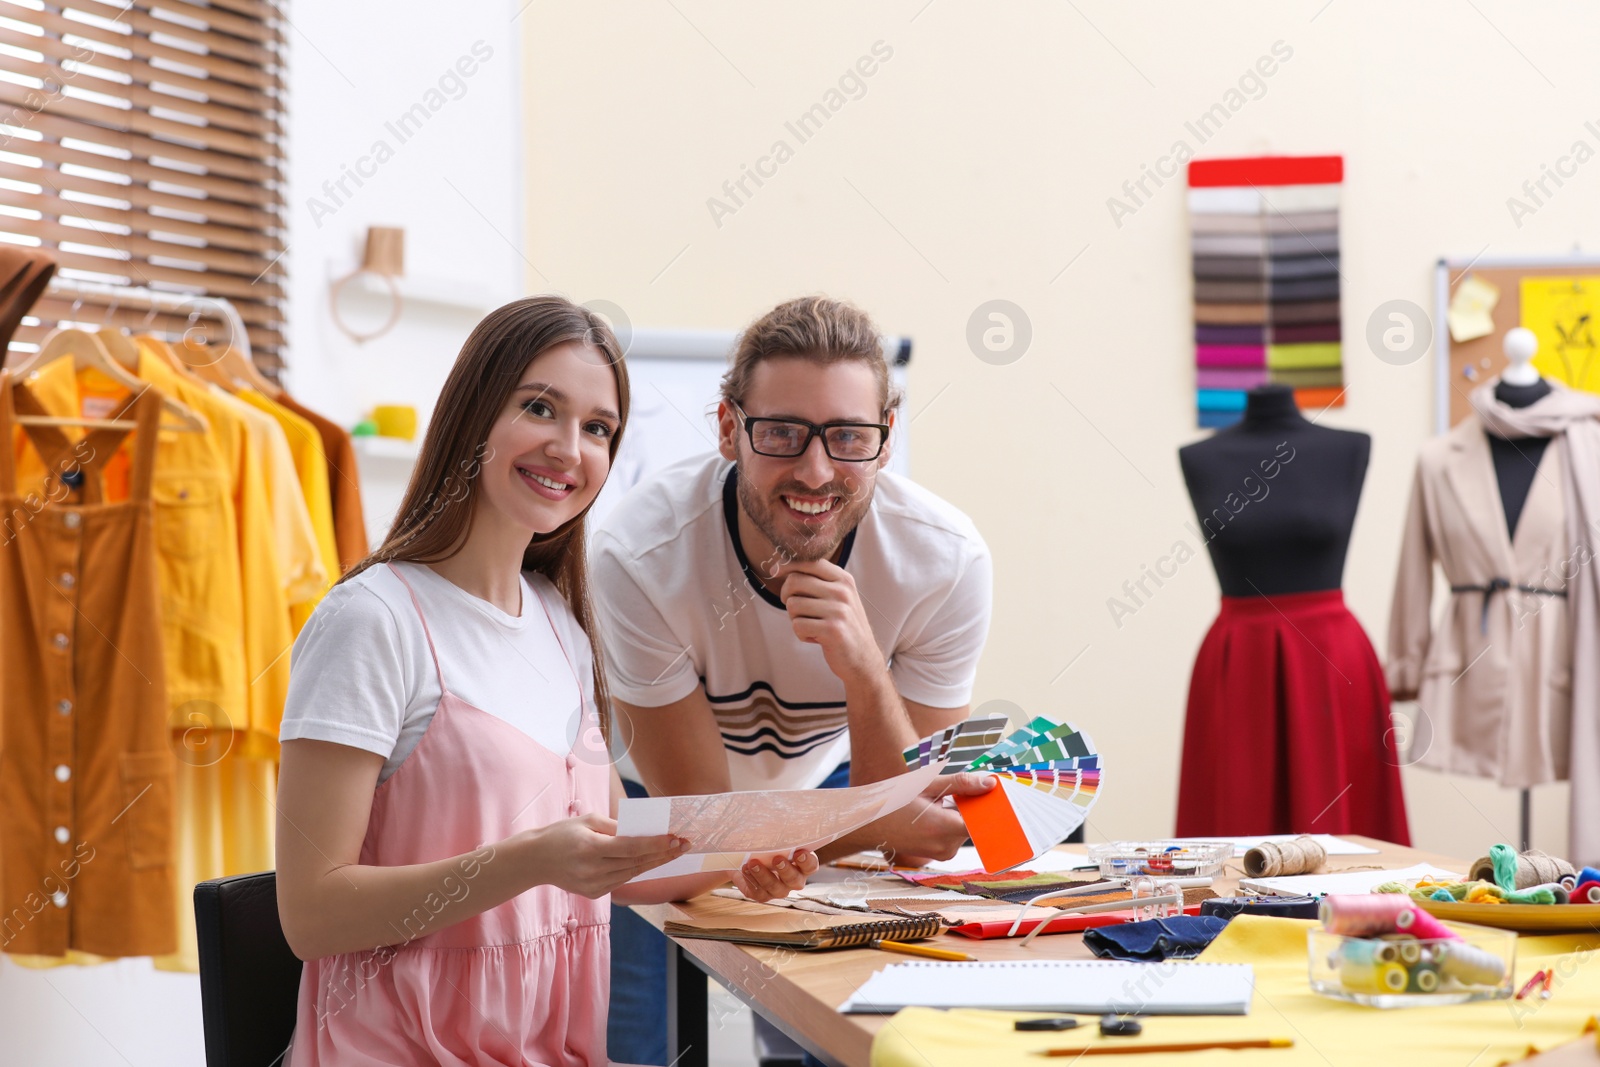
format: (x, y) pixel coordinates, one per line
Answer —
(636, 1029)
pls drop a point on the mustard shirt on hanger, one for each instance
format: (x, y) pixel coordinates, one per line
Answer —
(311, 469)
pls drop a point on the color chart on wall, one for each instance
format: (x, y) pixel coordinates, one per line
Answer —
(1266, 280)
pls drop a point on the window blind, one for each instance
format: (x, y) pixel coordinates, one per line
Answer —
(141, 144)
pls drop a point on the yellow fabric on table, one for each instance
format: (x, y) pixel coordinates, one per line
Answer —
(1326, 1032)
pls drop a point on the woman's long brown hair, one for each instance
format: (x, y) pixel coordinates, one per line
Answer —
(436, 514)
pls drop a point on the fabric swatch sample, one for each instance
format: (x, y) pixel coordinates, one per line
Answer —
(1264, 240)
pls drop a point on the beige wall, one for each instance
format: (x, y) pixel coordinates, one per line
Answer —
(978, 165)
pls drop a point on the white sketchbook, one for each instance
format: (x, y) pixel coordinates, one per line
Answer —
(1313, 885)
(1081, 986)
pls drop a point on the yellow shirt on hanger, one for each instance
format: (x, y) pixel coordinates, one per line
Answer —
(269, 550)
(226, 787)
(286, 524)
(304, 575)
(311, 467)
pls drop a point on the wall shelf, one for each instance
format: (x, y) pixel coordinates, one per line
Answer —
(395, 448)
(445, 293)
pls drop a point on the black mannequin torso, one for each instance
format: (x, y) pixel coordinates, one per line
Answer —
(1276, 497)
(1517, 461)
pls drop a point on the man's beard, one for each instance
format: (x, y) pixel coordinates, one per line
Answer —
(794, 543)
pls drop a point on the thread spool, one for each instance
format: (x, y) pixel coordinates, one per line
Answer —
(1562, 893)
(1419, 923)
(1531, 868)
(1409, 951)
(1587, 893)
(1372, 976)
(1271, 859)
(1362, 953)
(1364, 916)
(1423, 978)
(1471, 965)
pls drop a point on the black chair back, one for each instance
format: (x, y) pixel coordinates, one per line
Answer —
(249, 980)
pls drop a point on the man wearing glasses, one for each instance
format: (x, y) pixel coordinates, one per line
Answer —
(786, 614)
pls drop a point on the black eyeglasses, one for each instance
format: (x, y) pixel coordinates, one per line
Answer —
(848, 442)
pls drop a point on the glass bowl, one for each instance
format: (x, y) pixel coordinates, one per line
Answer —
(1405, 972)
(1161, 859)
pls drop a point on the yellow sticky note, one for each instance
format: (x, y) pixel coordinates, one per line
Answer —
(1562, 313)
(1469, 310)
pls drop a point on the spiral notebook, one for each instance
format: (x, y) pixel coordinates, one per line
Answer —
(749, 924)
(1081, 986)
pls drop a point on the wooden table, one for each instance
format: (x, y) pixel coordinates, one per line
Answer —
(800, 992)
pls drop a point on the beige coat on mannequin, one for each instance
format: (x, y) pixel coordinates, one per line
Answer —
(1493, 680)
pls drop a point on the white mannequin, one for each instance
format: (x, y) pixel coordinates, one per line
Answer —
(1520, 345)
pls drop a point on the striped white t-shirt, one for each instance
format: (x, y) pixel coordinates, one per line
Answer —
(679, 609)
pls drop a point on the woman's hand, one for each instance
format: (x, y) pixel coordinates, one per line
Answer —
(760, 882)
(585, 856)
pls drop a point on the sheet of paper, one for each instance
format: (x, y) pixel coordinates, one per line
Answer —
(1346, 882)
(1470, 307)
(1333, 846)
(727, 829)
(966, 859)
(1564, 314)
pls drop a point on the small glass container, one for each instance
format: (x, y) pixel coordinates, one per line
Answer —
(1407, 972)
(1161, 859)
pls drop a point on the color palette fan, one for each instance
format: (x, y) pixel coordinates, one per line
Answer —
(1048, 778)
(1266, 281)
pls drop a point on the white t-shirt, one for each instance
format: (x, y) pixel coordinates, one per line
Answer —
(679, 610)
(360, 673)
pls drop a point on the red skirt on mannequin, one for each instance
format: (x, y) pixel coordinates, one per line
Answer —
(1288, 727)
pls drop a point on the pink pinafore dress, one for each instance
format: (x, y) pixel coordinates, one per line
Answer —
(527, 982)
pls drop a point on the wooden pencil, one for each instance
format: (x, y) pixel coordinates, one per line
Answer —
(1134, 1048)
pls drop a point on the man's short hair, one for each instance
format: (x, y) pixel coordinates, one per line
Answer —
(814, 328)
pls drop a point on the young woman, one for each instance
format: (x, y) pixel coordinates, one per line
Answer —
(440, 793)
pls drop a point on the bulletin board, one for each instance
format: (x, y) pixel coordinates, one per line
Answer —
(1463, 365)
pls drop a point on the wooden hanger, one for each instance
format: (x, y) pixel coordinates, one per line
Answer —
(120, 347)
(244, 370)
(229, 368)
(200, 363)
(170, 358)
(88, 350)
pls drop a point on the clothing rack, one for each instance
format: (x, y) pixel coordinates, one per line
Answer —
(193, 305)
